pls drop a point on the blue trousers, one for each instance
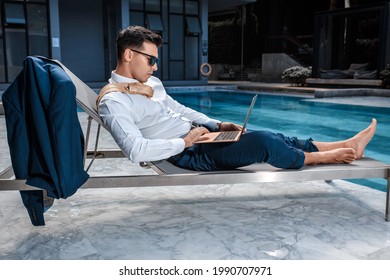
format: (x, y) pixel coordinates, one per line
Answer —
(254, 147)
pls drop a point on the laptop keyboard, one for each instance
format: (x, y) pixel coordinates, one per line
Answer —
(228, 135)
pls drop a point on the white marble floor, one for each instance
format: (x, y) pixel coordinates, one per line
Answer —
(300, 220)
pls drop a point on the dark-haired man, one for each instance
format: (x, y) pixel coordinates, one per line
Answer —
(155, 126)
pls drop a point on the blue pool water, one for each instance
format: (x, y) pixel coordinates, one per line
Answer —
(298, 116)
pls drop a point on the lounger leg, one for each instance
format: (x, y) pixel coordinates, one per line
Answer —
(87, 137)
(96, 146)
(387, 218)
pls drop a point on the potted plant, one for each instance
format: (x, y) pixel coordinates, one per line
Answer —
(296, 75)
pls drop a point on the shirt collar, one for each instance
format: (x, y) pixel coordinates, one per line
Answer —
(152, 81)
(121, 79)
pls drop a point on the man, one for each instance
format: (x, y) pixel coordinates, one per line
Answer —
(158, 127)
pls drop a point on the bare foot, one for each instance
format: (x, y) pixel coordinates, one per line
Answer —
(341, 155)
(360, 140)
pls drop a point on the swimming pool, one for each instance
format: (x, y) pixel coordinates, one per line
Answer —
(297, 116)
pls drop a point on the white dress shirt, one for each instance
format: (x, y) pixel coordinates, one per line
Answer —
(148, 129)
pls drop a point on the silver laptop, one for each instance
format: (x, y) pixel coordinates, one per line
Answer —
(227, 136)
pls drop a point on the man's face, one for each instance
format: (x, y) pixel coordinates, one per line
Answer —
(140, 67)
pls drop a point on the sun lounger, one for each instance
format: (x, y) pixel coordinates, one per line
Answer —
(169, 175)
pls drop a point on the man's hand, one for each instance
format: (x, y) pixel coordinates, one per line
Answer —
(194, 135)
(228, 126)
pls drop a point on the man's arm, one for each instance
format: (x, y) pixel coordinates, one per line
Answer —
(192, 115)
(194, 135)
(228, 126)
(118, 118)
(200, 118)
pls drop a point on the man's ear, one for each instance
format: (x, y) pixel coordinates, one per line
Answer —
(127, 55)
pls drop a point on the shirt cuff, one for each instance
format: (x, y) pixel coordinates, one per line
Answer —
(213, 124)
(179, 145)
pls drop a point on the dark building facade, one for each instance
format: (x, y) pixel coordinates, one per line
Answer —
(325, 34)
(357, 37)
(82, 35)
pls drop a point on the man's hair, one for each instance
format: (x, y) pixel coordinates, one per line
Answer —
(134, 37)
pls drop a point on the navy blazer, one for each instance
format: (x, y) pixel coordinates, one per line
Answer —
(44, 134)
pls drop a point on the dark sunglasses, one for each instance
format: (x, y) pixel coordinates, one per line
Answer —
(152, 59)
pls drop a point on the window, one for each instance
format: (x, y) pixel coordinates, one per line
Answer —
(192, 8)
(16, 51)
(176, 6)
(136, 18)
(37, 30)
(193, 25)
(176, 38)
(155, 22)
(152, 5)
(136, 4)
(24, 32)
(14, 14)
(179, 24)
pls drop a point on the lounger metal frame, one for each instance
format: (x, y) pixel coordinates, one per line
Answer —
(169, 175)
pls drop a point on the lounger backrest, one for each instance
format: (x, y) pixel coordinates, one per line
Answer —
(85, 96)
